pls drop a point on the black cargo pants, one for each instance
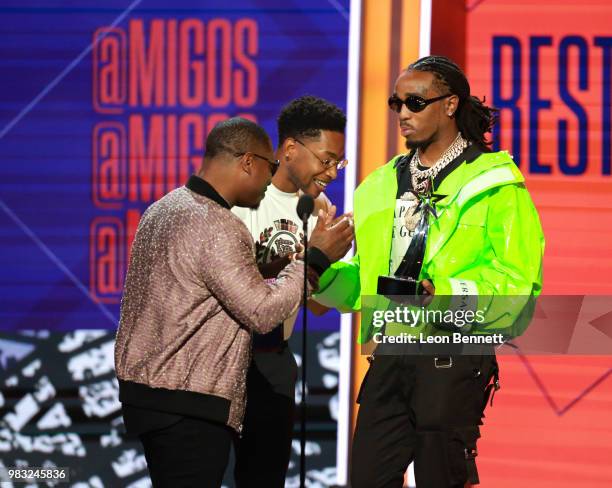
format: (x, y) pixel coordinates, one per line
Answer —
(422, 409)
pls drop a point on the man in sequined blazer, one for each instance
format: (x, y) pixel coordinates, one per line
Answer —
(193, 296)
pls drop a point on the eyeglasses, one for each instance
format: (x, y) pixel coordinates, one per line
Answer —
(413, 103)
(274, 163)
(328, 163)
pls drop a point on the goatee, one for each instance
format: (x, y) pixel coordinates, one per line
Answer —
(422, 145)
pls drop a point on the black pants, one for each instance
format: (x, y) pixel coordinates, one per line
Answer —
(411, 410)
(189, 453)
(263, 451)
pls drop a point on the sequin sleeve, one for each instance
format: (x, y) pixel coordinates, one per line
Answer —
(230, 272)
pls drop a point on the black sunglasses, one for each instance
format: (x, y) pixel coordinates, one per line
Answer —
(274, 163)
(413, 103)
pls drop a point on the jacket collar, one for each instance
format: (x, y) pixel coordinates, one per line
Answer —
(471, 153)
(202, 187)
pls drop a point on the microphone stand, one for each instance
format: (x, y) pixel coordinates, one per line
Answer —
(304, 349)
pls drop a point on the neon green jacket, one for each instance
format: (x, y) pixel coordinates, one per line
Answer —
(486, 241)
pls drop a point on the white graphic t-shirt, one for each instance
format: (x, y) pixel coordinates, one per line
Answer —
(276, 230)
(405, 221)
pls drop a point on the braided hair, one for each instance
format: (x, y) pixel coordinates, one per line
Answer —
(474, 119)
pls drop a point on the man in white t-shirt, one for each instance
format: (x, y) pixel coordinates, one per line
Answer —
(311, 152)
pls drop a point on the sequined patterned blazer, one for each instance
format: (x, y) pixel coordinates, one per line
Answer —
(193, 296)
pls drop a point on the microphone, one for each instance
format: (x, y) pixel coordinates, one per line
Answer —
(304, 210)
(305, 207)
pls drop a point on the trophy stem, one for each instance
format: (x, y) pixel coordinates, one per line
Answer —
(405, 280)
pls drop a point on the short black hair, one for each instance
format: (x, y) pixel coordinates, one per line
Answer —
(307, 116)
(235, 135)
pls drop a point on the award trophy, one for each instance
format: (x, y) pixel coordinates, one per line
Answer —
(405, 279)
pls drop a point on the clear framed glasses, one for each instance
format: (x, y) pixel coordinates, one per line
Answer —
(328, 163)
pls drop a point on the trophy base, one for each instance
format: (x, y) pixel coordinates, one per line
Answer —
(391, 286)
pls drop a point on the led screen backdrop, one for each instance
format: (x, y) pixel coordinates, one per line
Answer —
(547, 66)
(105, 108)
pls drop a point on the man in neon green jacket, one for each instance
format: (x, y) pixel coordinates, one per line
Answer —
(486, 243)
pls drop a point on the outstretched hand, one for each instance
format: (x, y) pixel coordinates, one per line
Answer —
(333, 236)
